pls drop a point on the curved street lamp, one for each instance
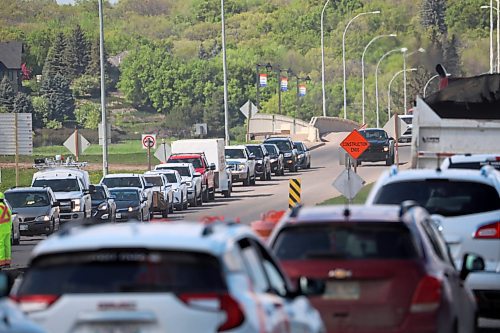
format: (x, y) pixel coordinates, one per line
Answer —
(404, 49)
(389, 89)
(363, 70)
(497, 8)
(224, 69)
(343, 53)
(428, 82)
(323, 60)
(103, 94)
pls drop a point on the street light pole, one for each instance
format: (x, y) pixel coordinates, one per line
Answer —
(103, 94)
(376, 79)
(343, 54)
(323, 60)
(405, 55)
(429, 81)
(363, 70)
(389, 89)
(224, 65)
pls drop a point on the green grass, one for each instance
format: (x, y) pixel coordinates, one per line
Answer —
(360, 198)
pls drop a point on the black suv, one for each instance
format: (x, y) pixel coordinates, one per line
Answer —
(103, 205)
(36, 208)
(381, 147)
(285, 145)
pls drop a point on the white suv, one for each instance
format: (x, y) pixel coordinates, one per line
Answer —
(466, 206)
(191, 177)
(176, 277)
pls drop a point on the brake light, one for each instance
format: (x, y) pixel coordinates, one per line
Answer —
(217, 302)
(33, 303)
(427, 296)
(488, 231)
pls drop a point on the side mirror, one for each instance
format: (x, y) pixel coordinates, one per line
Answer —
(391, 139)
(310, 287)
(112, 197)
(91, 189)
(148, 185)
(196, 174)
(6, 282)
(56, 204)
(14, 212)
(251, 157)
(471, 263)
(212, 166)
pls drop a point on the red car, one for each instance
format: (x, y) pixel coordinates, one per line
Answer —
(381, 269)
(201, 165)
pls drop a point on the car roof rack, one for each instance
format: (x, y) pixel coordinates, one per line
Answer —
(57, 162)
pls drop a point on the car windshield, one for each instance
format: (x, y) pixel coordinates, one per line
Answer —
(271, 149)
(27, 199)
(196, 162)
(365, 240)
(283, 145)
(374, 134)
(235, 153)
(122, 271)
(256, 151)
(171, 178)
(442, 196)
(182, 170)
(58, 185)
(125, 195)
(111, 182)
(99, 193)
(155, 180)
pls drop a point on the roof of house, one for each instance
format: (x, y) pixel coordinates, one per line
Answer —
(10, 54)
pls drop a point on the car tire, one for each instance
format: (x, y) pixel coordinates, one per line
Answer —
(358, 163)
(246, 182)
(184, 203)
(200, 200)
(264, 175)
(252, 180)
(165, 212)
(15, 241)
(269, 175)
(205, 196)
(211, 195)
(308, 165)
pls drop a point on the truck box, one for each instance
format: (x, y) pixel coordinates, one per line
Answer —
(214, 152)
(463, 118)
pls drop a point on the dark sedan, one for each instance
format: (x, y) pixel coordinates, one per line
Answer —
(276, 156)
(103, 205)
(381, 147)
(130, 204)
(304, 155)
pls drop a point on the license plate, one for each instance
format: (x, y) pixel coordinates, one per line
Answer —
(23, 227)
(118, 215)
(342, 290)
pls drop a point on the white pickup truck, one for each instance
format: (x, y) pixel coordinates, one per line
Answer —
(463, 118)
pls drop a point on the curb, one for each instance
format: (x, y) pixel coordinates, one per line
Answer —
(315, 145)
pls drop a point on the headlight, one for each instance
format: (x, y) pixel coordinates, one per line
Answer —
(273, 160)
(301, 155)
(259, 162)
(386, 148)
(288, 154)
(43, 218)
(76, 205)
(131, 209)
(189, 184)
(103, 206)
(241, 167)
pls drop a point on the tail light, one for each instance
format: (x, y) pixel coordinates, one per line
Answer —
(488, 231)
(33, 303)
(427, 296)
(217, 302)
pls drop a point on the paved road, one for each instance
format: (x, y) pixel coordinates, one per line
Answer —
(247, 203)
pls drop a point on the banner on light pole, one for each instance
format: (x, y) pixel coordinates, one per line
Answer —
(263, 80)
(284, 84)
(302, 90)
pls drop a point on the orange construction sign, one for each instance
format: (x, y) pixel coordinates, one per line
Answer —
(355, 144)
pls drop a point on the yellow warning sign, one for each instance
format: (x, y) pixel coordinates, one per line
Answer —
(294, 193)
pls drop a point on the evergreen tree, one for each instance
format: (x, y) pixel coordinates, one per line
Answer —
(94, 67)
(451, 56)
(433, 17)
(77, 53)
(6, 94)
(54, 64)
(60, 100)
(22, 104)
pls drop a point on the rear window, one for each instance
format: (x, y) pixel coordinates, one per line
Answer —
(283, 145)
(271, 149)
(118, 271)
(195, 161)
(155, 180)
(474, 165)
(122, 182)
(364, 240)
(441, 196)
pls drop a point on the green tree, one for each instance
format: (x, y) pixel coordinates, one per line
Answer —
(77, 53)
(40, 111)
(6, 94)
(433, 15)
(54, 64)
(22, 103)
(88, 115)
(60, 101)
(451, 56)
